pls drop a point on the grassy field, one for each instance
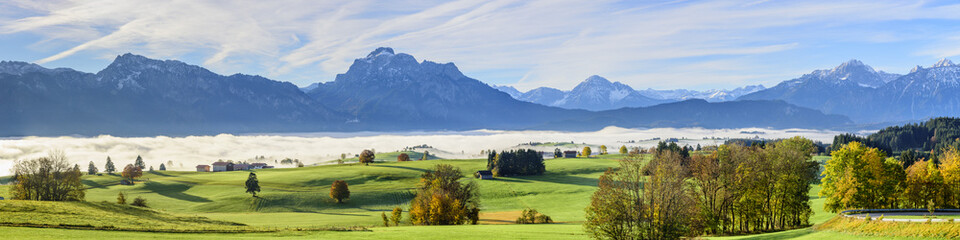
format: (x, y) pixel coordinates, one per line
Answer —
(108, 216)
(294, 198)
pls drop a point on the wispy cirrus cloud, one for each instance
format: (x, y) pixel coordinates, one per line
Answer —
(523, 43)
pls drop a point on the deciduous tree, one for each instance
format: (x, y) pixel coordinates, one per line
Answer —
(403, 157)
(49, 178)
(442, 199)
(586, 152)
(367, 157)
(623, 149)
(131, 172)
(339, 191)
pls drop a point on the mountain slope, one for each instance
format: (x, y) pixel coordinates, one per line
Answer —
(595, 94)
(135, 95)
(389, 91)
(714, 95)
(700, 113)
(849, 90)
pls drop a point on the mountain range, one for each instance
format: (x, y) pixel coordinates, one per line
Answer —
(597, 94)
(865, 95)
(384, 91)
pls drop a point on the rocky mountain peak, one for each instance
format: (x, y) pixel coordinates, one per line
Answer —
(944, 63)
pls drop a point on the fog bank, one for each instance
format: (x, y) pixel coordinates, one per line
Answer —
(187, 152)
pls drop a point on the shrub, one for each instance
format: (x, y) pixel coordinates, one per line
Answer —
(386, 221)
(531, 216)
(403, 157)
(121, 199)
(396, 215)
(139, 202)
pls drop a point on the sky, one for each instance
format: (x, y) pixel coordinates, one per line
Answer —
(522, 43)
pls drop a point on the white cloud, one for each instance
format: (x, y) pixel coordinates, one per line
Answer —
(548, 42)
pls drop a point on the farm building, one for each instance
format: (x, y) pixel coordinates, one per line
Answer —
(222, 166)
(485, 174)
(203, 168)
(259, 166)
(241, 166)
(570, 154)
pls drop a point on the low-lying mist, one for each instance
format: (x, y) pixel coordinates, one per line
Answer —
(310, 148)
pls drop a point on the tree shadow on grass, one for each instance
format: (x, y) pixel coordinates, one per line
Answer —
(93, 184)
(512, 180)
(567, 179)
(173, 191)
(402, 167)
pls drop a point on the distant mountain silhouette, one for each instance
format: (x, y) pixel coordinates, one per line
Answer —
(384, 91)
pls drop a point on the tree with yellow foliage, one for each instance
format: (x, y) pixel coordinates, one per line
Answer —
(857, 176)
(442, 200)
(950, 170)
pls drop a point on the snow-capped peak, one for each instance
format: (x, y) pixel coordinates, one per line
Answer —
(381, 51)
(851, 65)
(596, 79)
(915, 69)
(944, 63)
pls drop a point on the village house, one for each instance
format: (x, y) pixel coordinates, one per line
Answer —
(569, 154)
(241, 167)
(222, 166)
(203, 168)
(484, 174)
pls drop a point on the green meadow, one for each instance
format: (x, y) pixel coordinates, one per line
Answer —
(295, 203)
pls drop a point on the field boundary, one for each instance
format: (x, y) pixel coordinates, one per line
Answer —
(890, 215)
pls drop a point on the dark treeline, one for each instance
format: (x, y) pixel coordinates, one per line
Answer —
(935, 134)
(735, 189)
(516, 163)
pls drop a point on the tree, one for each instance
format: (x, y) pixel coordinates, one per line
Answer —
(109, 168)
(857, 176)
(151, 168)
(367, 157)
(47, 179)
(626, 206)
(403, 157)
(557, 153)
(923, 185)
(252, 184)
(950, 170)
(396, 215)
(426, 155)
(163, 167)
(121, 199)
(623, 149)
(92, 169)
(339, 191)
(139, 163)
(586, 152)
(516, 163)
(131, 172)
(603, 149)
(442, 199)
(139, 202)
(386, 221)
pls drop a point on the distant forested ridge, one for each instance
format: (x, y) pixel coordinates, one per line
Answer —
(932, 135)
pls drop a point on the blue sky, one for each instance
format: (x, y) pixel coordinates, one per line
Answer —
(522, 43)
